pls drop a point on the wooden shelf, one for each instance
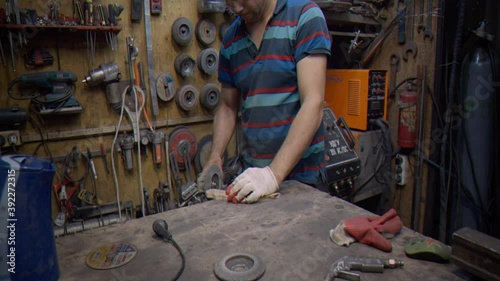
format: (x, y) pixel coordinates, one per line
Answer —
(335, 18)
(71, 28)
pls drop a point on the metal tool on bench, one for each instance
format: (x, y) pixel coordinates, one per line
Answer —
(342, 267)
(50, 92)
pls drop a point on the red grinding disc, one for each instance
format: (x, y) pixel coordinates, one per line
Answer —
(182, 141)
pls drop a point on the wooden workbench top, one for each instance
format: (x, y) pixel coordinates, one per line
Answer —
(290, 234)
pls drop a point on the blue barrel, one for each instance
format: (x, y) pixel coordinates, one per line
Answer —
(26, 235)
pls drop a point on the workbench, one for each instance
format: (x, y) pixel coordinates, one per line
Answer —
(290, 234)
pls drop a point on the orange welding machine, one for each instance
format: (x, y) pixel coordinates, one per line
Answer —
(357, 95)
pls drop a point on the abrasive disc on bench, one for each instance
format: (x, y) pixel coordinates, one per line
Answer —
(111, 256)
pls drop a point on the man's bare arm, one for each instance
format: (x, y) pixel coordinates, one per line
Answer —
(224, 123)
(311, 72)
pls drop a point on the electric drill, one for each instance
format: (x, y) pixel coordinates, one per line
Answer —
(109, 74)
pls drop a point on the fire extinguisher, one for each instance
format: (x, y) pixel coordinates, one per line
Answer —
(407, 127)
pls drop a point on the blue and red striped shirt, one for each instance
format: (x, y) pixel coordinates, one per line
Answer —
(267, 80)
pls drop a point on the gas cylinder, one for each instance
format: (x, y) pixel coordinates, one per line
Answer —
(407, 127)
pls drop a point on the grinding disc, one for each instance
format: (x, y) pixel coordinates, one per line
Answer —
(209, 96)
(186, 97)
(203, 153)
(208, 61)
(165, 87)
(239, 266)
(206, 32)
(111, 256)
(182, 31)
(184, 65)
(181, 141)
(213, 178)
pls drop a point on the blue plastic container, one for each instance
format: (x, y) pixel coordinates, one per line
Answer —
(27, 244)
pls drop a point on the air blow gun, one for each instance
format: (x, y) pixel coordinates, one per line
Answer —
(342, 267)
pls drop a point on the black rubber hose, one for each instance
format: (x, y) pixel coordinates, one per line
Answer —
(182, 258)
(450, 95)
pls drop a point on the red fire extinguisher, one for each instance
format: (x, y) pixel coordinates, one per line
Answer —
(407, 128)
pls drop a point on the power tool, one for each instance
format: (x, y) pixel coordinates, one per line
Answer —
(108, 74)
(50, 92)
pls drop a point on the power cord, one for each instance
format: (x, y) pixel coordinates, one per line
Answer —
(160, 227)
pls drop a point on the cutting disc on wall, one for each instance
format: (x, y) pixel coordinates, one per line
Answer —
(182, 141)
(165, 87)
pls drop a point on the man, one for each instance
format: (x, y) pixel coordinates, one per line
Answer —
(272, 67)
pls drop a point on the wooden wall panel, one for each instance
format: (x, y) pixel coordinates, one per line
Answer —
(426, 55)
(71, 54)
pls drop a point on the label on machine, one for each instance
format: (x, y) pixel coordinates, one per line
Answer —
(342, 163)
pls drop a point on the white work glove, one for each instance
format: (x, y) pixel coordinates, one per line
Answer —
(251, 185)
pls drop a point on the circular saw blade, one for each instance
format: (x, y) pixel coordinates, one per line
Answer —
(182, 141)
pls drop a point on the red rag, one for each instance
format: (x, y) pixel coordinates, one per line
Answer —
(367, 230)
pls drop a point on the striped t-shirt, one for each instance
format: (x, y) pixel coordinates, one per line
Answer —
(267, 80)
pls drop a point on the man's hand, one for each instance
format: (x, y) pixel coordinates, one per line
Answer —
(251, 185)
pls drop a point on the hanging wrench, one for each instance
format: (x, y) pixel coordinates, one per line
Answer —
(421, 25)
(428, 28)
(410, 45)
(393, 73)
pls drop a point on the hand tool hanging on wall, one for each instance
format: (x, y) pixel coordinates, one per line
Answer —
(134, 96)
(9, 34)
(410, 45)
(136, 10)
(105, 159)
(394, 68)
(428, 28)
(149, 53)
(402, 23)
(2, 54)
(38, 57)
(138, 81)
(421, 15)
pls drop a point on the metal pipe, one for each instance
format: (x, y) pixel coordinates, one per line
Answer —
(418, 158)
(87, 225)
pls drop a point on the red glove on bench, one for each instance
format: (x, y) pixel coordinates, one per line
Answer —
(369, 230)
